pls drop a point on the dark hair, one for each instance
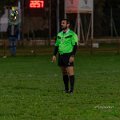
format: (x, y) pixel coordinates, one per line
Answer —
(67, 20)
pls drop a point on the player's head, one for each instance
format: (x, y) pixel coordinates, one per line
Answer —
(65, 24)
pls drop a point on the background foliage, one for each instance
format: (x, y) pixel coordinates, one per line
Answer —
(102, 14)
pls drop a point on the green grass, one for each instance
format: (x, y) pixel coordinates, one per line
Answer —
(31, 89)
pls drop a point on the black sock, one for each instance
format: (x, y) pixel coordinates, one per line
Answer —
(66, 80)
(72, 79)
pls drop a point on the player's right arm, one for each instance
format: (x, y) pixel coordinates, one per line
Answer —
(55, 49)
(55, 53)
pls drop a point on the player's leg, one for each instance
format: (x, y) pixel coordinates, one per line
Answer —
(65, 78)
(70, 71)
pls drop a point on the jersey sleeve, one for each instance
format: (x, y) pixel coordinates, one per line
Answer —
(75, 39)
(57, 41)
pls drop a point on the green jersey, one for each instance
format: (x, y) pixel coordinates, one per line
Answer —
(66, 41)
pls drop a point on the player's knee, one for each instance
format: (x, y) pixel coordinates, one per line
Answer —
(64, 72)
(70, 71)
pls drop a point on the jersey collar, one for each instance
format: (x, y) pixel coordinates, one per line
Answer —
(67, 31)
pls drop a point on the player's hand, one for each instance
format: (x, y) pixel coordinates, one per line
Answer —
(71, 59)
(54, 58)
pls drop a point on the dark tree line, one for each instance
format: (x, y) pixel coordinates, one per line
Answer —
(102, 14)
(102, 17)
(4, 3)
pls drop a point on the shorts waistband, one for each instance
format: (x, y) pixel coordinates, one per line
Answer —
(65, 54)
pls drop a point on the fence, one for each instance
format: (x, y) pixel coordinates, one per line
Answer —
(26, 47)
(36, 47)
(111, 44)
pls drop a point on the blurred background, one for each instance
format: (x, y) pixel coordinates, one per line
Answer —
(38, 21)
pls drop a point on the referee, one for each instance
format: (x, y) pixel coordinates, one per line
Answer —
(66, 46)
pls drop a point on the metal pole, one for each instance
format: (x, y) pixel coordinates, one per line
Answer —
(111, 24)
(92, 22)
(22, 17)
(49, 22)
(78, 28)
(19, 10)
(78, 21)
(65, 15)
(58, 17)
(92, 27)
(0, 25)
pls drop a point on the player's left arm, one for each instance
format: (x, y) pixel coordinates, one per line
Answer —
(75, 44)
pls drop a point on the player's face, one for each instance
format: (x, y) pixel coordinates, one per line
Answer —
(64, 25)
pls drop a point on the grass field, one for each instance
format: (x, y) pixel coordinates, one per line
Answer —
(31, 89)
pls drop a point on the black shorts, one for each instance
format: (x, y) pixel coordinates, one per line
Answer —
(63, 60)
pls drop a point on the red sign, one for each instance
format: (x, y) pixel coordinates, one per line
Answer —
(36, 4)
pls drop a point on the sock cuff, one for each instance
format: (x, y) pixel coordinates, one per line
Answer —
(72, 76)
(65, 77)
